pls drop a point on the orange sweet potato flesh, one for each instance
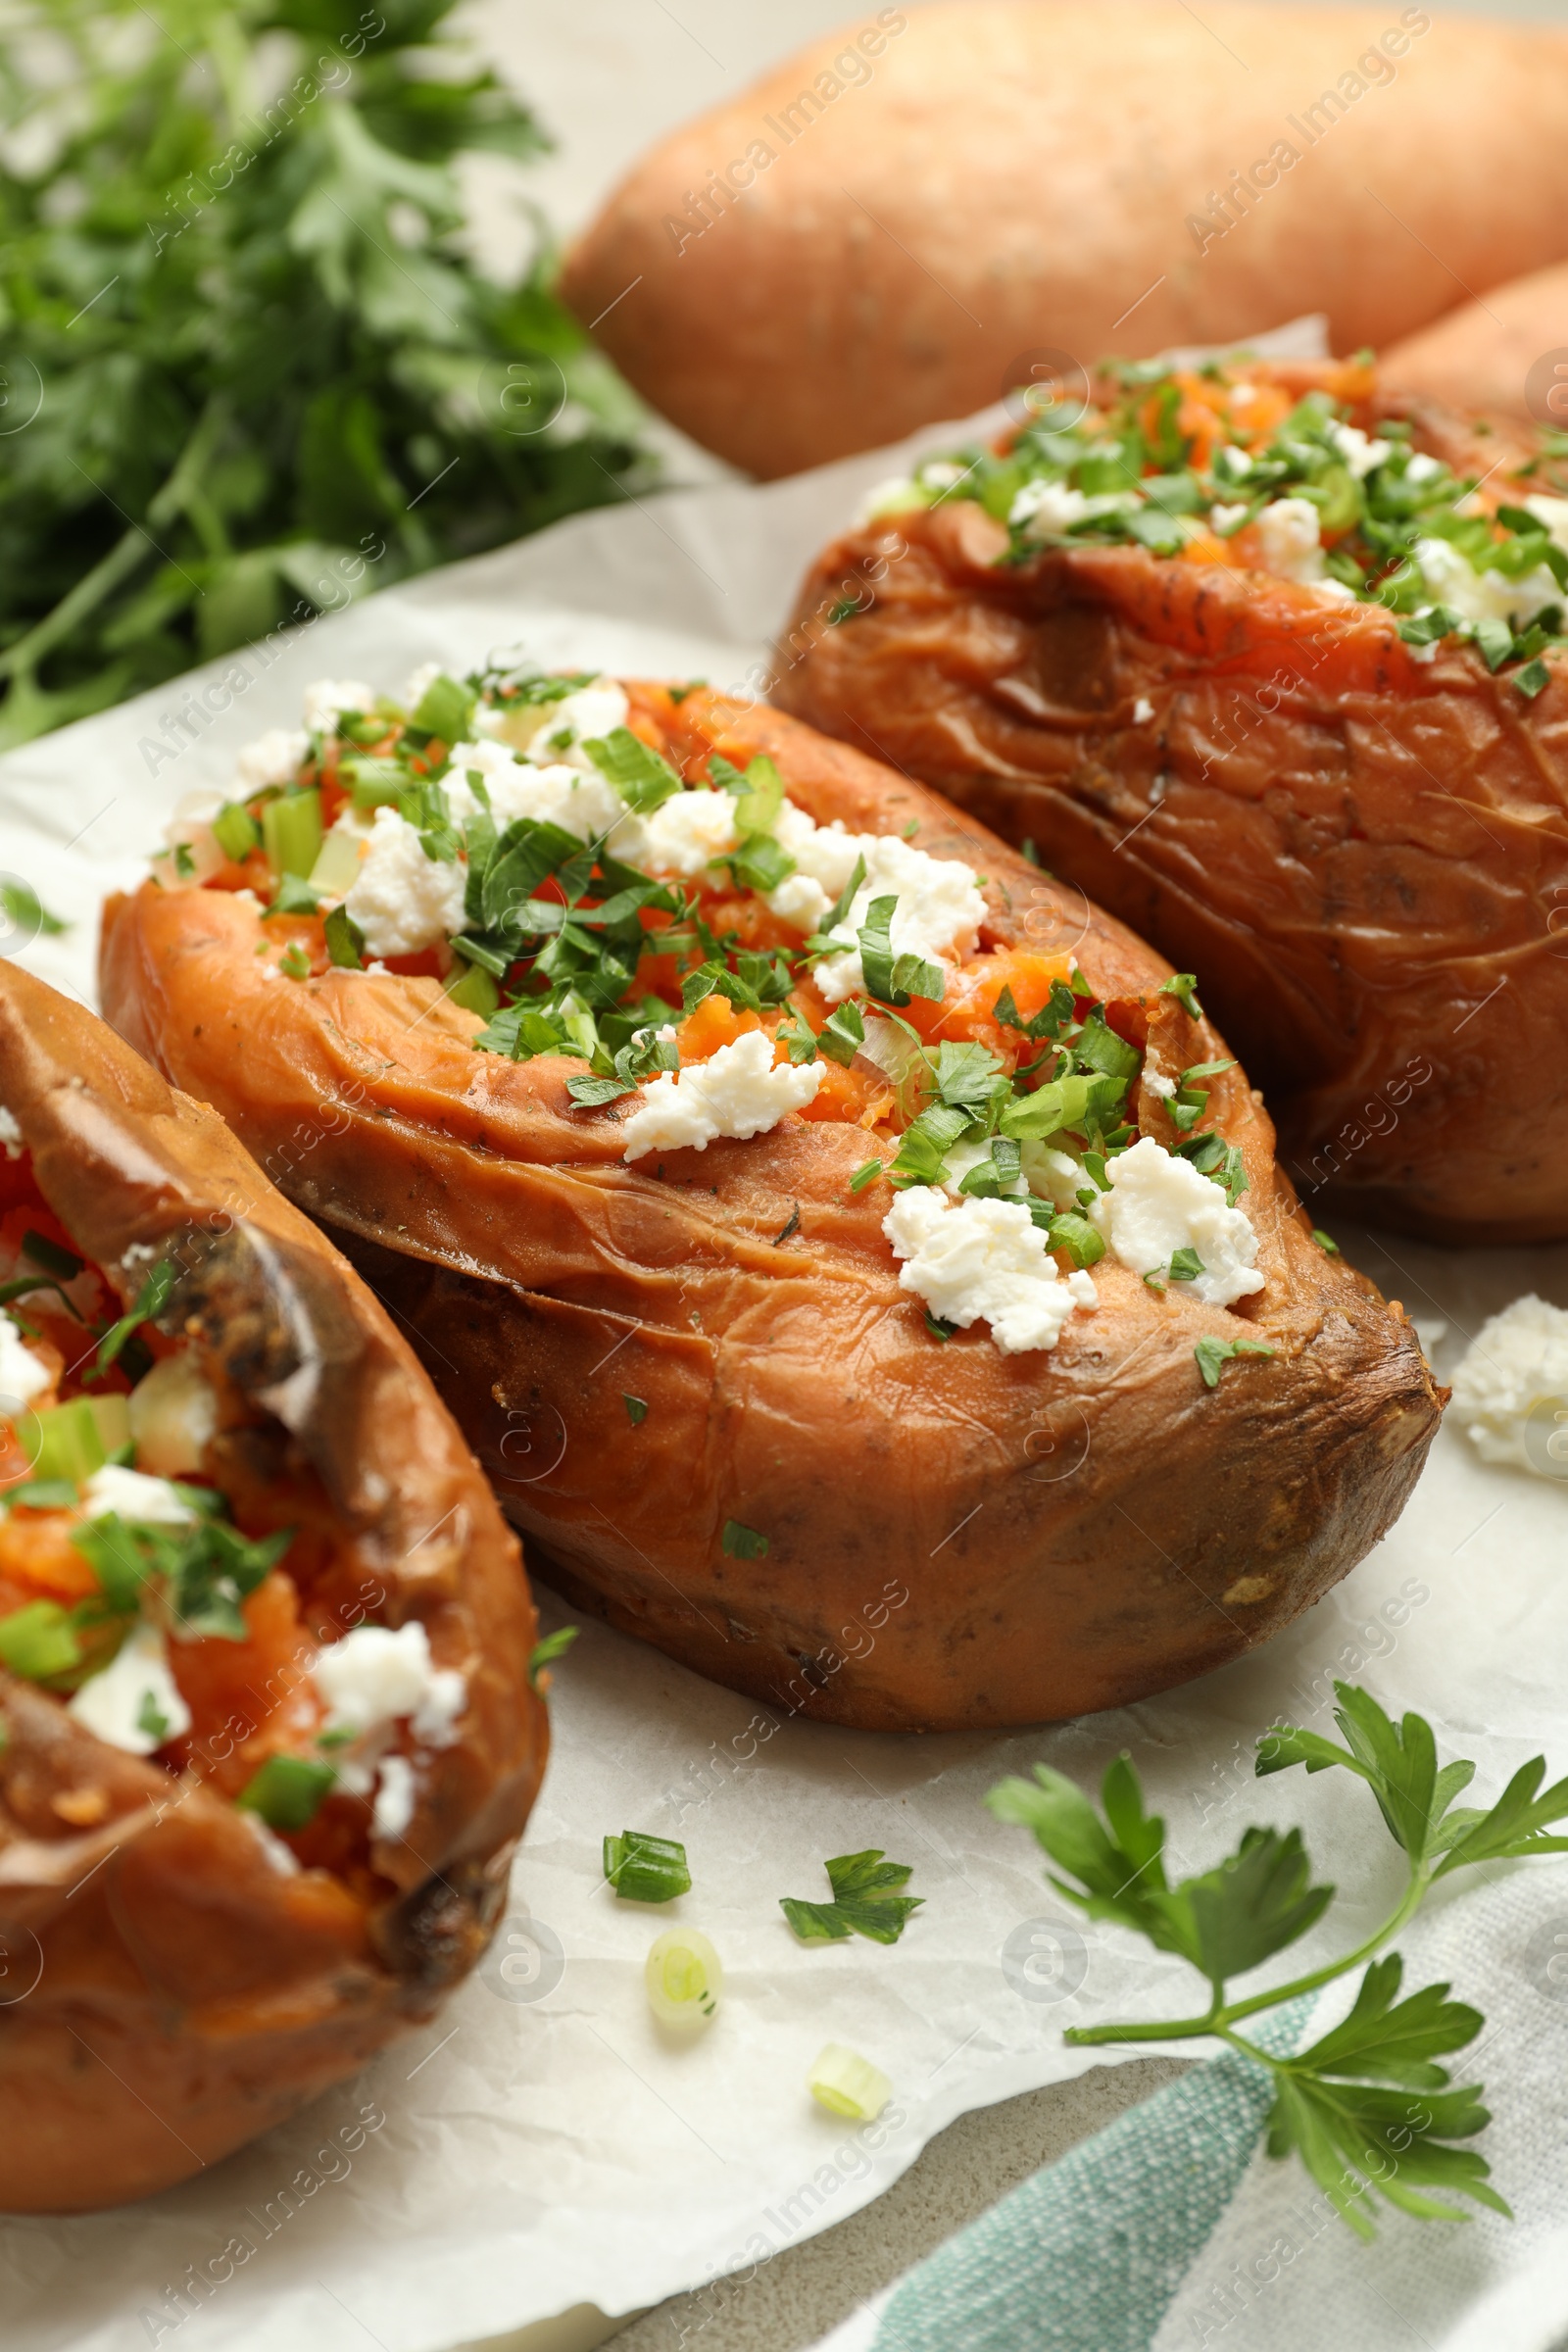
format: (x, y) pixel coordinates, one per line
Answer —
(957, 1538)
(189, 1994)
(1363, 858)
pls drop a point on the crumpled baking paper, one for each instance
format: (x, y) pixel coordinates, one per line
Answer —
(545, 2146)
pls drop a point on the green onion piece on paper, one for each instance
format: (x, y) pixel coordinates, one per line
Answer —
(684, 1977)
(846, 2084)
(646, 1869)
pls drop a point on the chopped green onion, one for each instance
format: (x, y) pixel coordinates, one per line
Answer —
(866, 1173)
(936, 1328)
(235, 831)
(291, 832)
(42, 1494)
(287, 1793)
(151, 1301)
(545, 1654)
(1533, 679)
(294, 963)
(474, 991)
(39, 1642)
(337, 866)
(847, 2084)
(646, 1869)
(71, 1446)
(1325, 1240)
(743, 1543)
(643, 779)
(684, 1977)
(1183, 986)
(54, 1259)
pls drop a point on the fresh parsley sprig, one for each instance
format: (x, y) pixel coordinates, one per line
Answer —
(1367, 2103)
(865, 1901)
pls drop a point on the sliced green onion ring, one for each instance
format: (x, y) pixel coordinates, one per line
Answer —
(845, 2084)
(685, 1977)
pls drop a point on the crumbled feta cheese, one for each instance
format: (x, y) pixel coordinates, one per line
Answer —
(1422, 467)
(274, 758)
(941, 473)
(1510, 1390)
(134, 1702)
(1048, 507)
(1358, 450)
(983, 1261)
(738, 1091)
(687, 832)
(587, 715)
(1286, 537)
(1554, 514)
(1224, 518)
(10, 1135)
(326, 700)
(1143, 710)
(401, 899)
(892, 497)
(1159, 1203)
(375, 1676)
(1044, 510)
(578, 800)
(21, 1376)
(132, 1495)
(394, 1797)
(1158, 1084)
(1484, 595)
(1237, 462)
(939, 911)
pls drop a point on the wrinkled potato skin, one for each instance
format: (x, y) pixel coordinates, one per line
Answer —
(1363, 858)
(999, 183)
(958, 1539)
(190, 1997)
(1493, 357)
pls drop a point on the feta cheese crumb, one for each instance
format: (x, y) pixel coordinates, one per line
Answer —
(1224, 518)
(1159, 1203)
(1143, 710)
(394, 1797)
(10, 1135)
(1422, 467)
(738, 1091)
(1554, 514)
(577, 799)
(1358, 450)
(274, 758)
(401, 899)
(21, 1376)
(892, 497)
(375, 1676)
(1486, 594)
(1510, 1390)
(687, 832)
(579, 718)
(1286, 535)
(326, 700)
(1158, 1084)
(1048, 507)
(133, 1495)
(939, 911)
(974, 1261)
(134, 1704)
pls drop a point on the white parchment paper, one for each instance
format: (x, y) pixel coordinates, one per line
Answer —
(543, 2147)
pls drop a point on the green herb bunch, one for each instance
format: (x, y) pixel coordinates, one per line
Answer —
(1367, 2107)
(248, 371)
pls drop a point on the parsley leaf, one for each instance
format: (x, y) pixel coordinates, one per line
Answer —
(865, 1901)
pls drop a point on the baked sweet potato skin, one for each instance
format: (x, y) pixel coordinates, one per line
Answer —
(957, 1538)
(894, 225)
(190, 1995)
(1364, 857)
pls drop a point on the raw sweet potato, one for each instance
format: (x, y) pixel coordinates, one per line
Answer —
(222, 1890)
(1339, 797)
(1503, 356)
(698, 1374)
(908, 218)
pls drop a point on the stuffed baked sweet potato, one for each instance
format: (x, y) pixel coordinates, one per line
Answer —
(268, 1735)
(857, 1262)
(1245, 656)
(1502, 356)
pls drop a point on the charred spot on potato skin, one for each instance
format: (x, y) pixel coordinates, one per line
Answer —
(433, 1938)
